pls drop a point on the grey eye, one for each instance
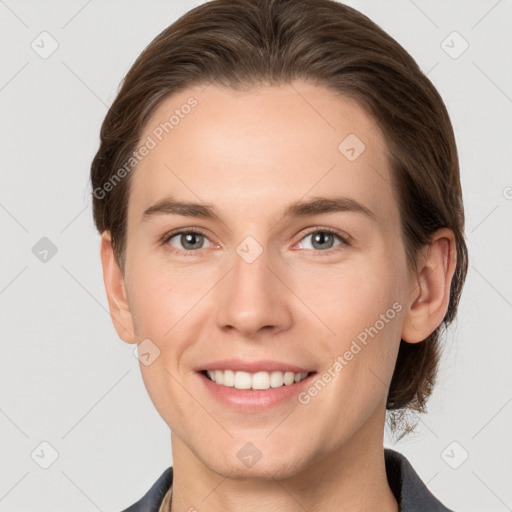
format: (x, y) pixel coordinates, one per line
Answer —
(321, 240)
(189, 240)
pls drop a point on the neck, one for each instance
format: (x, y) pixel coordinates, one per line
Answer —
(352, 478)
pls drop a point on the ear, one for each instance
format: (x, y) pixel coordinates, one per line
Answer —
(429, 287)
(116, 293)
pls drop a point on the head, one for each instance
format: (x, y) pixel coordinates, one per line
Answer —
(250, 110)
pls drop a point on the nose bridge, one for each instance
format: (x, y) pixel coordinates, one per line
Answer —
(252, 297)
(250, 267)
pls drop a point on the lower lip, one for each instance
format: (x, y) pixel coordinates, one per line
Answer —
(254, 399)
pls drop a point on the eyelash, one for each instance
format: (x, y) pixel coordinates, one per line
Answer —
(165, 239)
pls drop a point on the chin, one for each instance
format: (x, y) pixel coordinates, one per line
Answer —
(264, 471)
(250, 463)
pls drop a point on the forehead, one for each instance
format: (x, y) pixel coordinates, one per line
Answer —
(262, 148)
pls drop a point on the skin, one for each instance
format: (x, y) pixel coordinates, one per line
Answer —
(250, 154)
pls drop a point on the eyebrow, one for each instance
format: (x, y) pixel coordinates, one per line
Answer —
(297, 209)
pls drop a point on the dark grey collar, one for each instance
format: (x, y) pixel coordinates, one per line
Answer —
(410, 492)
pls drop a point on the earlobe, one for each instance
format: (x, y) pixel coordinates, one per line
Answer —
(429, 295)
(115, 289)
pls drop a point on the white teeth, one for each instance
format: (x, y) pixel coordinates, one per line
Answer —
(229, 378)
(261, 380)
(219, 377)
(242, 380)
(276, 379)
(289, 378)
(258, 380)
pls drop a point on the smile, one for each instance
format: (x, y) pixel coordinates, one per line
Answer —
(260, 380)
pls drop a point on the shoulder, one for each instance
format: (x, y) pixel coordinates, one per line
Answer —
(151, 501)
(410, 491)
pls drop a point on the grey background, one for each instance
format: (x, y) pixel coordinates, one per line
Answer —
(65, 377)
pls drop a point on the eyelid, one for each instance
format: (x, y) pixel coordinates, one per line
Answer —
(342, 235)
(181, 231)
(344, 238)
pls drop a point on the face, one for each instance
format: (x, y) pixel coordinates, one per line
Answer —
(253, 280)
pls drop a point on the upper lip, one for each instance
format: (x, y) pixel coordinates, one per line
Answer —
(252, 366)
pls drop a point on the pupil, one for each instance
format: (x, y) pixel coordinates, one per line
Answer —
(189, 237)
(320, 237)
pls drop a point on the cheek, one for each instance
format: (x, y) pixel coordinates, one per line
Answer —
(156, 298)
(349, 298)
(362, 360)
(363, 307)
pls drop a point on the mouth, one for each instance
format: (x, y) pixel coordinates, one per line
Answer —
(253, 385)
(261, 380)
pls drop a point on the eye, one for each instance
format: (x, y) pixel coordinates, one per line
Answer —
(189, 240)
(322, 240)
(186, 242)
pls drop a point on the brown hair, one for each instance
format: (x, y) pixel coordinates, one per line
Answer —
(244, 43)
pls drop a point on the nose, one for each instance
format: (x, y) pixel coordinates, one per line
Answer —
(254, 297)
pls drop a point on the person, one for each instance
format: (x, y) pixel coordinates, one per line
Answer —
(282, 235)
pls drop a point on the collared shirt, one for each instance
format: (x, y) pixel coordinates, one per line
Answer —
(409, 490)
